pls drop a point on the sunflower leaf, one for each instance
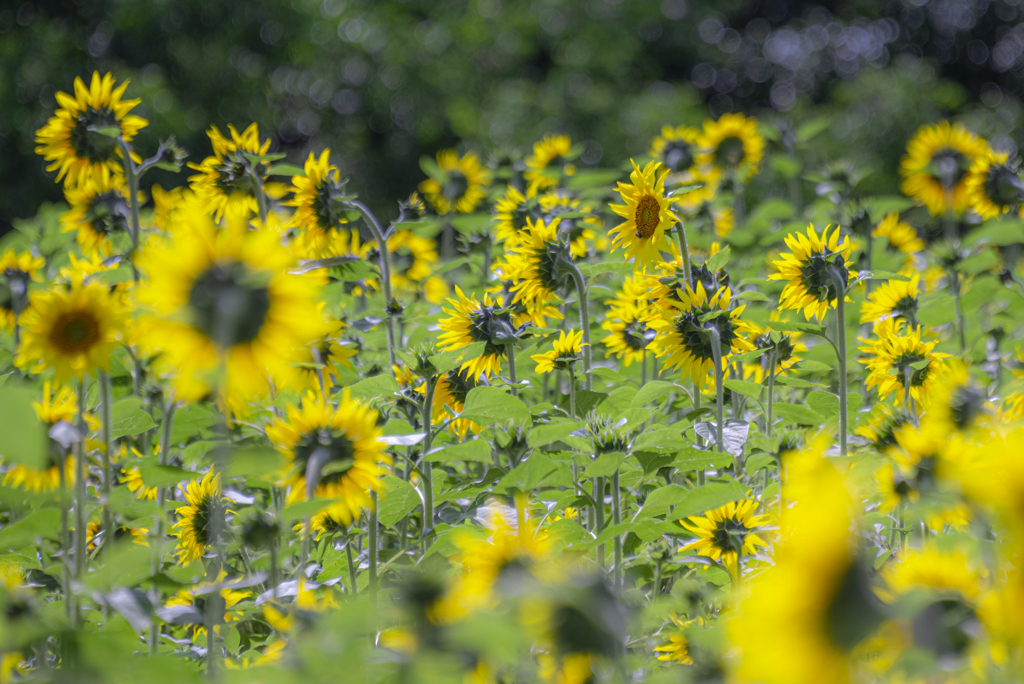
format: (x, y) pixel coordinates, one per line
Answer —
(719, 260)
(128, 418)
(22, 435)
(398, 498)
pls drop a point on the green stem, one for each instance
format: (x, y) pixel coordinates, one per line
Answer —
(372, 530)
(716, 351)
(599, 516)
(132, 178)
(385, 272)
(106, 531)
(80, 522)
(684, 252)
(841, 350)
(158, 524)
(65, 537)
(572, 392)
(510, 352)
(961, 325)
(428, 476)
(351, 568)
(771, 391)
(617, 541)
(261, 197)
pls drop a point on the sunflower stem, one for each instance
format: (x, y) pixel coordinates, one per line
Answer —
(841, 352)
(684, 251)
(771, 391)
(428, 476)
(572, 392)
(65, 537)
(581, 294)
(132, 178)
(599, 517)
(617, 541)
(385, 272)
(80, 524)
(106, 531)
(170, 407)
(371, 524)
(260, 195)
(961, 325)
(510, 352)
(353, 589)
(716, 351)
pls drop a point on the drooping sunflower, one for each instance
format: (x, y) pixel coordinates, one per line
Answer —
(344, 438)
(224, 312)
(313, 195)
(900, 360)
(99, 210)
(322, 357)
(893, 299)
(566, 351)
(811, 271)
(629, 334)
(78, 140)
(935, 167)
(71, 330)
(647, 215)
(225, 179)
(200, 523)
(676, 148)
(16, 270)
(521, 312)
(463, 184)
(549, 162)
(901, 235)
(725, 532)
(731, 145)
(993, 187)
(535, 266)
(685, 340)
(511, 212)
(472, 322)
(785, 347)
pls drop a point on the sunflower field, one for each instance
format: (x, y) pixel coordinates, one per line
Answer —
(544, 421)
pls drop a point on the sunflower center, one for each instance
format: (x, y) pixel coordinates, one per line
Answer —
(1003, 187)
(967, 404)
(906, 307)
(229, 303)
(233, 176)
(729, 151)
(695, 337)
(818, 275)
(329, 214)
(340, 454)
(677, 155)
(207, 510)
(633, 335)
(88, 140)
(75, 332)
(108, 213)
(946, 628)
(852, 614)
(902, 368)
(728, 535)
(647, 217)
(456, 186)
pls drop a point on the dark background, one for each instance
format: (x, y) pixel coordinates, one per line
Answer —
(384, 82)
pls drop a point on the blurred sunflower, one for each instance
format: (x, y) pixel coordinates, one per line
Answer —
(225, 182)
(132, 478)
(576, 222)
(993, 187)
(675, 646)
(224, 311)
(343, 439)
(73, 331)
(313, 196)
(647, 214)
(16, 271)
(511, 212)
(726, 532)
(322, 357)
(80, 139)
(196, 597)
(936, 164)
(731, 146)
(201, 521)
(566, 351)
(451, 390)
(53, 408)
(898, 359)
(629, 334)
(958, 405)
(469, 322)
(412, 260)
(784, 346)
(461, 186)
(901, 235)
(685, 338)
(893, 299)
(676, 148)
(136, 534)
(549, 162)
(882, 424)
(99, 211)
(894, 487)
(814, 270)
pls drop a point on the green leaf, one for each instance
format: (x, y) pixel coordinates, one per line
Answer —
(790, 381)
(789, 326)
(652, 461)
(546, 434)
(451, 265)
(752, 296)
(658, 501)
(812, 127)
(493, 406)
(886, 275)
(23, 436)
(809, 365)
(383, 385)
(449, 360)
(797, 414)
(608, 375)
(307, 509)
(587, 401)
(758, 461)
(123, 502)
(610, 267)
(473, 450)
(751, 390)
(718, 261)
(709, 497)
(604, 466)
(107, 131)
(253, 461)
(398, 498)
(43, 523)
(824, 403)
(654, 392)
(128, 418)
(691, 459)
(285, 170)
(190, 421)
(528, 474)
(309, 265)
(164, 475)
(921, 365)
(468, 224)
(124, 564)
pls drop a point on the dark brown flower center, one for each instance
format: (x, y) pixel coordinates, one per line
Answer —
(647, 216)
(75, 332)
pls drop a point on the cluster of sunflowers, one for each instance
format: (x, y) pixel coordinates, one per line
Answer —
(250, 432)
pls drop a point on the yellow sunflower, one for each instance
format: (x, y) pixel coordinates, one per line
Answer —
(676, 148)
(566, 351)
(469, 322)
(224, 312)
(511, 212)
(54, 407)
(412, 261)
(533, 265)
(936, 164)
(957, 404)
(647, 215)
(464, 186)
(628, 334)
(223, 182)
(99, 210)
(900, 360)
(313, 198)
(195, 528)
(82, 270)
(893, 299)
(684, 338)
(322, 357)
(809, 271)
(77, 140)
(451, 390)
(725, 532)
(345, 439)
(196, 597)
(895, 487)
(785, 346)
(881, 425)
(132, 478)
(901, 235)
(549, 162)
(731, 145)
(993, 187)
(71, 330)
(16, 270)
(675, 646)
(136, 534)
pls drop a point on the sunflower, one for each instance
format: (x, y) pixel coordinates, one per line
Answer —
(901, 235)
(132, 478)
(224, 311)
(577, 224)
(99, 210)
(511, 212)
(895, 487)
(412, 260)
(16, 270)
(993, 186)
(224, 181)
(313, 193)
(675, 646)
(900, 360)
(451, 390)
(464, 183)
(136, 534)
(665, 287)
(676, 148)
(893, 299)
(628, 334)
(472, 322)
(685, 339)
(812, 270)
(535, 265)
(522, 312)
(783, 345)
(882, 424)
(322, 357)
(549, 162)
(344, 438)
(196, 597)
(731, 145)
(195, 528)
(78, 140)
(73, 330)
(725, 532)
(647, 215)
(935, 167)
(957, 404)
(567, 350)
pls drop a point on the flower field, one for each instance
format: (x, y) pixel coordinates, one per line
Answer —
(542, 421)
